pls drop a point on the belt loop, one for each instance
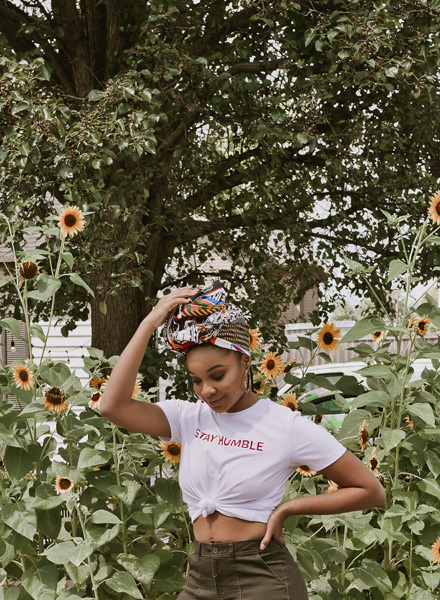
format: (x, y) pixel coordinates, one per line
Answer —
(198, 548)
(231, 549)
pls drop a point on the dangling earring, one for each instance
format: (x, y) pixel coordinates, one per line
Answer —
(247, 381)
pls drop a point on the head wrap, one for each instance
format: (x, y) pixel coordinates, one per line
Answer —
(207, 318)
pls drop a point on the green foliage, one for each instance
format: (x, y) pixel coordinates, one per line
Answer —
(220, 122)
(115, 525)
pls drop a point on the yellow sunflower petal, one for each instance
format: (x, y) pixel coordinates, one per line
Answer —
(171, 452)
(271, 365)
(434, 208)
(255, 335)
(305, 471)
(55, 400)
(63, 485)
(435, 551)
(290, 401)
(70, 221)
(23, 377)
(328, 337)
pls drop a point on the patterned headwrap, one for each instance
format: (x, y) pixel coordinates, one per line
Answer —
(207, 318)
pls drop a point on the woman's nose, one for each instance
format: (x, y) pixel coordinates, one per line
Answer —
(207, 390)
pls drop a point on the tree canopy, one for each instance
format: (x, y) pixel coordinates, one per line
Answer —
(276, 133)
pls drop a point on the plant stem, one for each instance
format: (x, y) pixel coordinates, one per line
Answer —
(118, 479)
(89, 562)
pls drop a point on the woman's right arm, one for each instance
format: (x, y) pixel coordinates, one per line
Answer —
(116, 403)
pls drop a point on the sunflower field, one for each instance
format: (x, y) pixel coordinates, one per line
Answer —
(90, 510)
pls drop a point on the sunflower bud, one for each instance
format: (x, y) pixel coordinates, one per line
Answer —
(28, 270)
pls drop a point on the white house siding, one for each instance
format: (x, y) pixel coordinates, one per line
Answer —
(70, 350)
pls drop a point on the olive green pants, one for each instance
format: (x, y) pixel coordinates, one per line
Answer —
(241, 571)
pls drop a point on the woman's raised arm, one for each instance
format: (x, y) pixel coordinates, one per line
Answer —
(116, 402)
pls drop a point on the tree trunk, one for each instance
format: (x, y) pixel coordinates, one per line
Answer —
(112, 331)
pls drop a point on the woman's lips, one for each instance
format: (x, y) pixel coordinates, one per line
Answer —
(214, 402)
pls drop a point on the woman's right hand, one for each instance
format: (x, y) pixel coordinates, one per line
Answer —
(167, 303)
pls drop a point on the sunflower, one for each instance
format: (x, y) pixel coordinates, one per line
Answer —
(28, 270)
(287, 367)
(95, 400)
(412, 322)
(290, 401)
(63, 485)
(171, 452)
(364, 434)
(305, 471)
(332, 487)
(70, 221)
(435, 551)
(318, 419)
(271, 365)
(55, 400)
(377, 336)
(434, 208)
(95, 382)
(23, 377)
(374, 463)
(409, 423)
(137, 388)
(328, 337)
(255, 335)
(421, 325)
(261, 385)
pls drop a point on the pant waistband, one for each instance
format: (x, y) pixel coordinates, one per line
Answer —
(219, 549)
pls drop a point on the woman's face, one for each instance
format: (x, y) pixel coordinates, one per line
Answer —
(219, 378)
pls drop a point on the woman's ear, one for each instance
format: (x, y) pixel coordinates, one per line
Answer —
(247, 361)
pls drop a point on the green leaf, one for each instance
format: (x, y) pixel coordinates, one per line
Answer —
(37, 331)
(42, 582)
(9, 439)
(396, 268)
(95, 95)
(76, 279)
(430, 486)
(370, 575)
(143, 569)
(127, 492)
(375, 371)
(47, 286)
(362, 328)
(11, 325)
(99, 535)
(20, 518)
(308, 36)
(375, 398)
(90, 457)
(123, 582)
(424, 412)
(161, 512)
(81, 552)
(391, 438)
(68, 258)
(46, 498)
(104, 516)
(60, 553)
(19, 462)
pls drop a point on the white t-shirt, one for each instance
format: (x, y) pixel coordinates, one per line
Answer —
(238, 463)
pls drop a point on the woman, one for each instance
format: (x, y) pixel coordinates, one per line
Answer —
(238, 451)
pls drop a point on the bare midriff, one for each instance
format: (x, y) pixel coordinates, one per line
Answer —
(219, 528)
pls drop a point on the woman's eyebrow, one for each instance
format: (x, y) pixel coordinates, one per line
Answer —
(210, 369)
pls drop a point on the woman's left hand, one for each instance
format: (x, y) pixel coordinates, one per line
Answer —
(274, 528)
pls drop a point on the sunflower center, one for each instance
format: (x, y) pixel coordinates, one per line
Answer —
(437, 208)
(364, 435)
(28, 270)
(70, 220)
(173, 450)
(304, 468)
(291, 405)
(377, 333)
(96, 396)
(64, 483)
(421, 326)
(257, 385)
(270, 364)
(55, 396)
(327, 338)
(24, 376)
(373, 463)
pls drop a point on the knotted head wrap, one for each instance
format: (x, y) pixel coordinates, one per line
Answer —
(207, 318)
